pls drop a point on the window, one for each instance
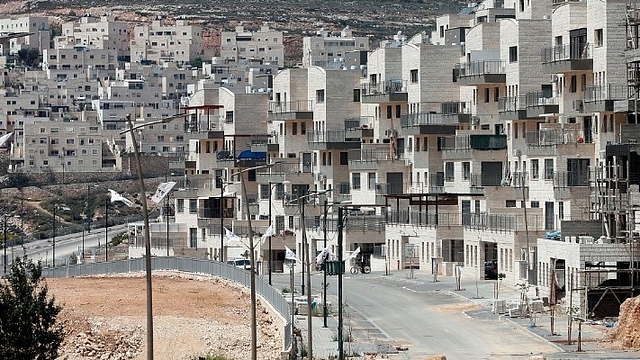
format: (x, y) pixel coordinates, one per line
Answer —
(389, 112)
(320, 96)
(371, 181)
(466, 170)
(264, 191)
(414, 76)
(356, 95)
(496, 94)
(448, 171)
(535, 204)
(599, 37)
(180, 205)
(294, 128)
(561, 210)
(303, 128)
(510, 203)
(398, 111)
(344, 158)
(193, 206)
(573, 84)
(535, 169)
(355, 181)
(486, 95)
(229, 117)
(513, 54)
(548, 169)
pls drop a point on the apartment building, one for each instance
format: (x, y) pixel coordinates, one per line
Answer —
(37, 27)
(103, 32)
(327, 47)
(159, 42)
(243, 45)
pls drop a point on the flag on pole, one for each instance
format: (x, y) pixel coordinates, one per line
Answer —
(231, 236)
(354, 254)
(324, 255)
(4, 138)
(268, 233)
(117, 197)
(290, 255)
(162, 191)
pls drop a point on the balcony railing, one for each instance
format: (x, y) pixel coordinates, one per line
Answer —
(369, 155)
(407, 120)
(329, 136)
(606, 92)
(555, 137)
(363, 122)
(482, 67)
(476, 142)
(511, 103)
(573, 51)
(387, 87)
(565, 179)
(284, 107)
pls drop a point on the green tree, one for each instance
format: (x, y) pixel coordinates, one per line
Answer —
(29, 57)
(28, 328)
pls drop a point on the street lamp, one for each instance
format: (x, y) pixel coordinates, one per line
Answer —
(252, 276)
(223, 185)
(147, 241)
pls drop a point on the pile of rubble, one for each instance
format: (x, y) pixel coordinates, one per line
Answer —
(92, 338)
(627, 331)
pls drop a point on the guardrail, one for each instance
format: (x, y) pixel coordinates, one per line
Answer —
(196, 266)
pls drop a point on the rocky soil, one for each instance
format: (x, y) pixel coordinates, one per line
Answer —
(194, 315)
(626, 333)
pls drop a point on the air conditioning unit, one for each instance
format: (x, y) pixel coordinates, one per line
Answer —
(578, 105)
(517, 152)
(407, 162)
(475, 120)
(321, 177)
(554, 78)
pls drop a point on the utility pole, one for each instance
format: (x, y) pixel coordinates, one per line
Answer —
(4, 244)
(340, 239)
(309, 315)
(302, 244)
(269, 257)
(106, 229)
(166, 209)
(324, 274)
(222, 219)
(53, 252)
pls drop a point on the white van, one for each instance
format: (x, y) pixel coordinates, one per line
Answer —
(240, 263)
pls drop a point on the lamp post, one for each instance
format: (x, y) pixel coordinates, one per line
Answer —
(147, 240)
(223, 185)
(270, 265)
(4, 244)
(254, 318)
(340, 239)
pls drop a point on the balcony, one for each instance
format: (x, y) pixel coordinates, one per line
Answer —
(331, 140)
(297, 172)
(481, 72)
(389, 91)
(567, 58)
(461, 146)
(368, 158)
(603, 97)
(433, 123)
(564, 181)
(512, 108)
(290, 110)
(539, 103)
(359, 127)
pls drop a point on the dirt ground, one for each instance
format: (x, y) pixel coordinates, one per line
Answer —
(105, 318)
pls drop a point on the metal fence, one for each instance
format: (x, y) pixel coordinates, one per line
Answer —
(229, 272)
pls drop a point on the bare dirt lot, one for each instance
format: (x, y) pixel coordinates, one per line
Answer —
(105, 318)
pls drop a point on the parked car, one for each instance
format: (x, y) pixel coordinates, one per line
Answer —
(240, 263)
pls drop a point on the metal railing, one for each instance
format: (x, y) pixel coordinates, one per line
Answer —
(370, 154)
(329, 136)
(472, 141)
(555, 136)
(387, 87)
(196, 266)
(362, 122)
(482, 67)
(566, 179)
(606, 92)
(407, 120)
(511, 103)
(284, 107)
(573, 51)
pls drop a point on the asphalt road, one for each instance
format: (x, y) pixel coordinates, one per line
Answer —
(423, 317)
(65, 246)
